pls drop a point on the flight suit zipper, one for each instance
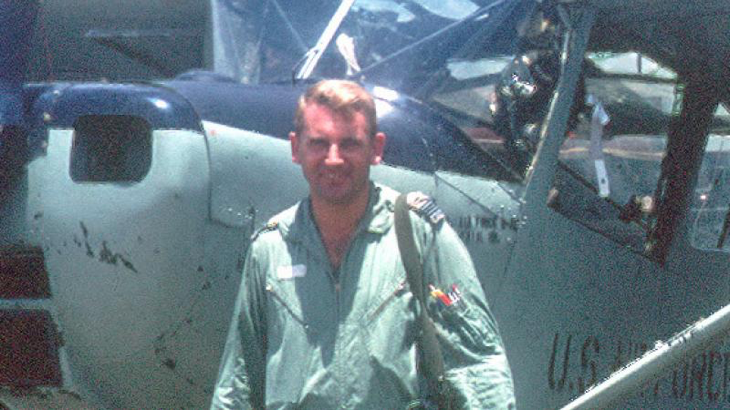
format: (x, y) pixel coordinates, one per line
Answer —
(337, 288)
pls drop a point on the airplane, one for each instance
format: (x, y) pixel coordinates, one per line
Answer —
(579, 148)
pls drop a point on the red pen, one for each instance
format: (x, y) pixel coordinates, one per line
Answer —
(437, 293)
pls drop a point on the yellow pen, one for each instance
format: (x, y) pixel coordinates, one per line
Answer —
(437, 293)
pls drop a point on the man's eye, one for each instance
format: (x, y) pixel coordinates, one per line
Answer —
(350, 144)
(318, 144)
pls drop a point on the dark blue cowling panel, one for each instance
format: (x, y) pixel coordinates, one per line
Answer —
(60, 105)
(419, 138)
(264, 108)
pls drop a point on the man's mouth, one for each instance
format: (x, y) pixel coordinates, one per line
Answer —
(334, 177)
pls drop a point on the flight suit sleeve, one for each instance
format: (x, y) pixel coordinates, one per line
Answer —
(476, 367)
(241, 375)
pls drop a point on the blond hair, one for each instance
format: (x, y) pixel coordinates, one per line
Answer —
(342, 97)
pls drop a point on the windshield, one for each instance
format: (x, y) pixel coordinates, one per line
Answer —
(370, 31)
(251, 42)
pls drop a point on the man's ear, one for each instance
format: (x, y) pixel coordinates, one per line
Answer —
(294, 139)
(378, 147)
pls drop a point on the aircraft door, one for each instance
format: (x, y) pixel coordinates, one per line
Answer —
(600, 270)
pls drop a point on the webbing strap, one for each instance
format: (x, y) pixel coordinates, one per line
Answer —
(433, 363)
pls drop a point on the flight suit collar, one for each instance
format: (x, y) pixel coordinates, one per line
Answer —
(378, 217)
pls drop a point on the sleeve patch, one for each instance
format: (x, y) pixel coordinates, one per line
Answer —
(425, 206)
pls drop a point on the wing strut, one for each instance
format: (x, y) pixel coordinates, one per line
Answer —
(654, 364)
(312, 57)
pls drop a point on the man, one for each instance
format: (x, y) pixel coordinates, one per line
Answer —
(325, 318)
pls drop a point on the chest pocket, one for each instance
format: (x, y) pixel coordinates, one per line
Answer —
(390, 298)
(464, 326)
(284, 302)
(390, 325)
(300, 307)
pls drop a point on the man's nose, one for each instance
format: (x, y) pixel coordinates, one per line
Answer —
(333, 155)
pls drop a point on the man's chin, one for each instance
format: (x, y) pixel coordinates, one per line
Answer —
(343, 193)
(337, 195)
(337, 198)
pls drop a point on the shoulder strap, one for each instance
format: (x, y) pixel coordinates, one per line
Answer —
(433, 362)
(407, 247)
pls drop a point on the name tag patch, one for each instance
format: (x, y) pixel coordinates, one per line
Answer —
(291, 272)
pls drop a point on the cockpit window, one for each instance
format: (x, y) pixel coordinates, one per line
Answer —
(480, 78)
(611, 158)
(618, 139)
(286, 32)
(710, 212)
(633, 64)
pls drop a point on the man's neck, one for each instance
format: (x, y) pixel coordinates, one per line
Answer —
(337, 224)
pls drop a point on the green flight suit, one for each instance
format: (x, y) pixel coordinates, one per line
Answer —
(307, 336)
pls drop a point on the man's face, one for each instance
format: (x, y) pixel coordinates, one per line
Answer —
(336, 154)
